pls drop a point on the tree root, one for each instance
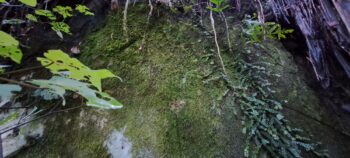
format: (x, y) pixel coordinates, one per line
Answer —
(216, 42)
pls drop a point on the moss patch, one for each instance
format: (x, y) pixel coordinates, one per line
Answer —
(169, 69)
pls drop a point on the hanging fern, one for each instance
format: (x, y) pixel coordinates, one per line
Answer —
(264, 124)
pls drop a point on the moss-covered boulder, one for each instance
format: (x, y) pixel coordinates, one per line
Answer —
(176, 102)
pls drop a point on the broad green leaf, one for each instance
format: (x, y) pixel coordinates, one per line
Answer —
(2, 1)
(288, 31)
(226, 6)
(60, 85)
(45, 13)
(11, 52)
(48, 94)
(31, 3)
(65, 11)
(281, 36)
(6, 92)
(31, 17)
(83, 9)
(7, 40)
(61, 62)
(218, 6)
(214, 9)
(216, 2)
(9, 47)
(60, 27)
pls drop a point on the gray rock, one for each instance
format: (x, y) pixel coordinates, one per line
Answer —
(118, 145)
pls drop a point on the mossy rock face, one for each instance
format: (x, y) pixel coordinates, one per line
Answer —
(174, 105)
(169, 111)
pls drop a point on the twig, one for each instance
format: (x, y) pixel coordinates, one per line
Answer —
(238, 5)
(19, 83)
(22, 107)
(134, 3)
(11, 5)
(216, 42)
(27, 69)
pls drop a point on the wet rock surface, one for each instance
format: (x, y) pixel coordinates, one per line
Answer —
(118, 145)
(19, 138)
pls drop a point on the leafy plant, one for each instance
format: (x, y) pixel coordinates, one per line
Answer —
(264, 124)
(219, 5)
(59, 63)
(32, 18)
(59, 85)
(31, 3)
(65, 12)
(69, 71)
(9, 47)
(83, 9)
(52, 17)
(275, 31)
(69, 74)
(60, 27)
(45, 13)
(257, 31)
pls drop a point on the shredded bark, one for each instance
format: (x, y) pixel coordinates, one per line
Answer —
(325, 25)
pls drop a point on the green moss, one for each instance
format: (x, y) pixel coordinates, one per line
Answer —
(169, 69)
